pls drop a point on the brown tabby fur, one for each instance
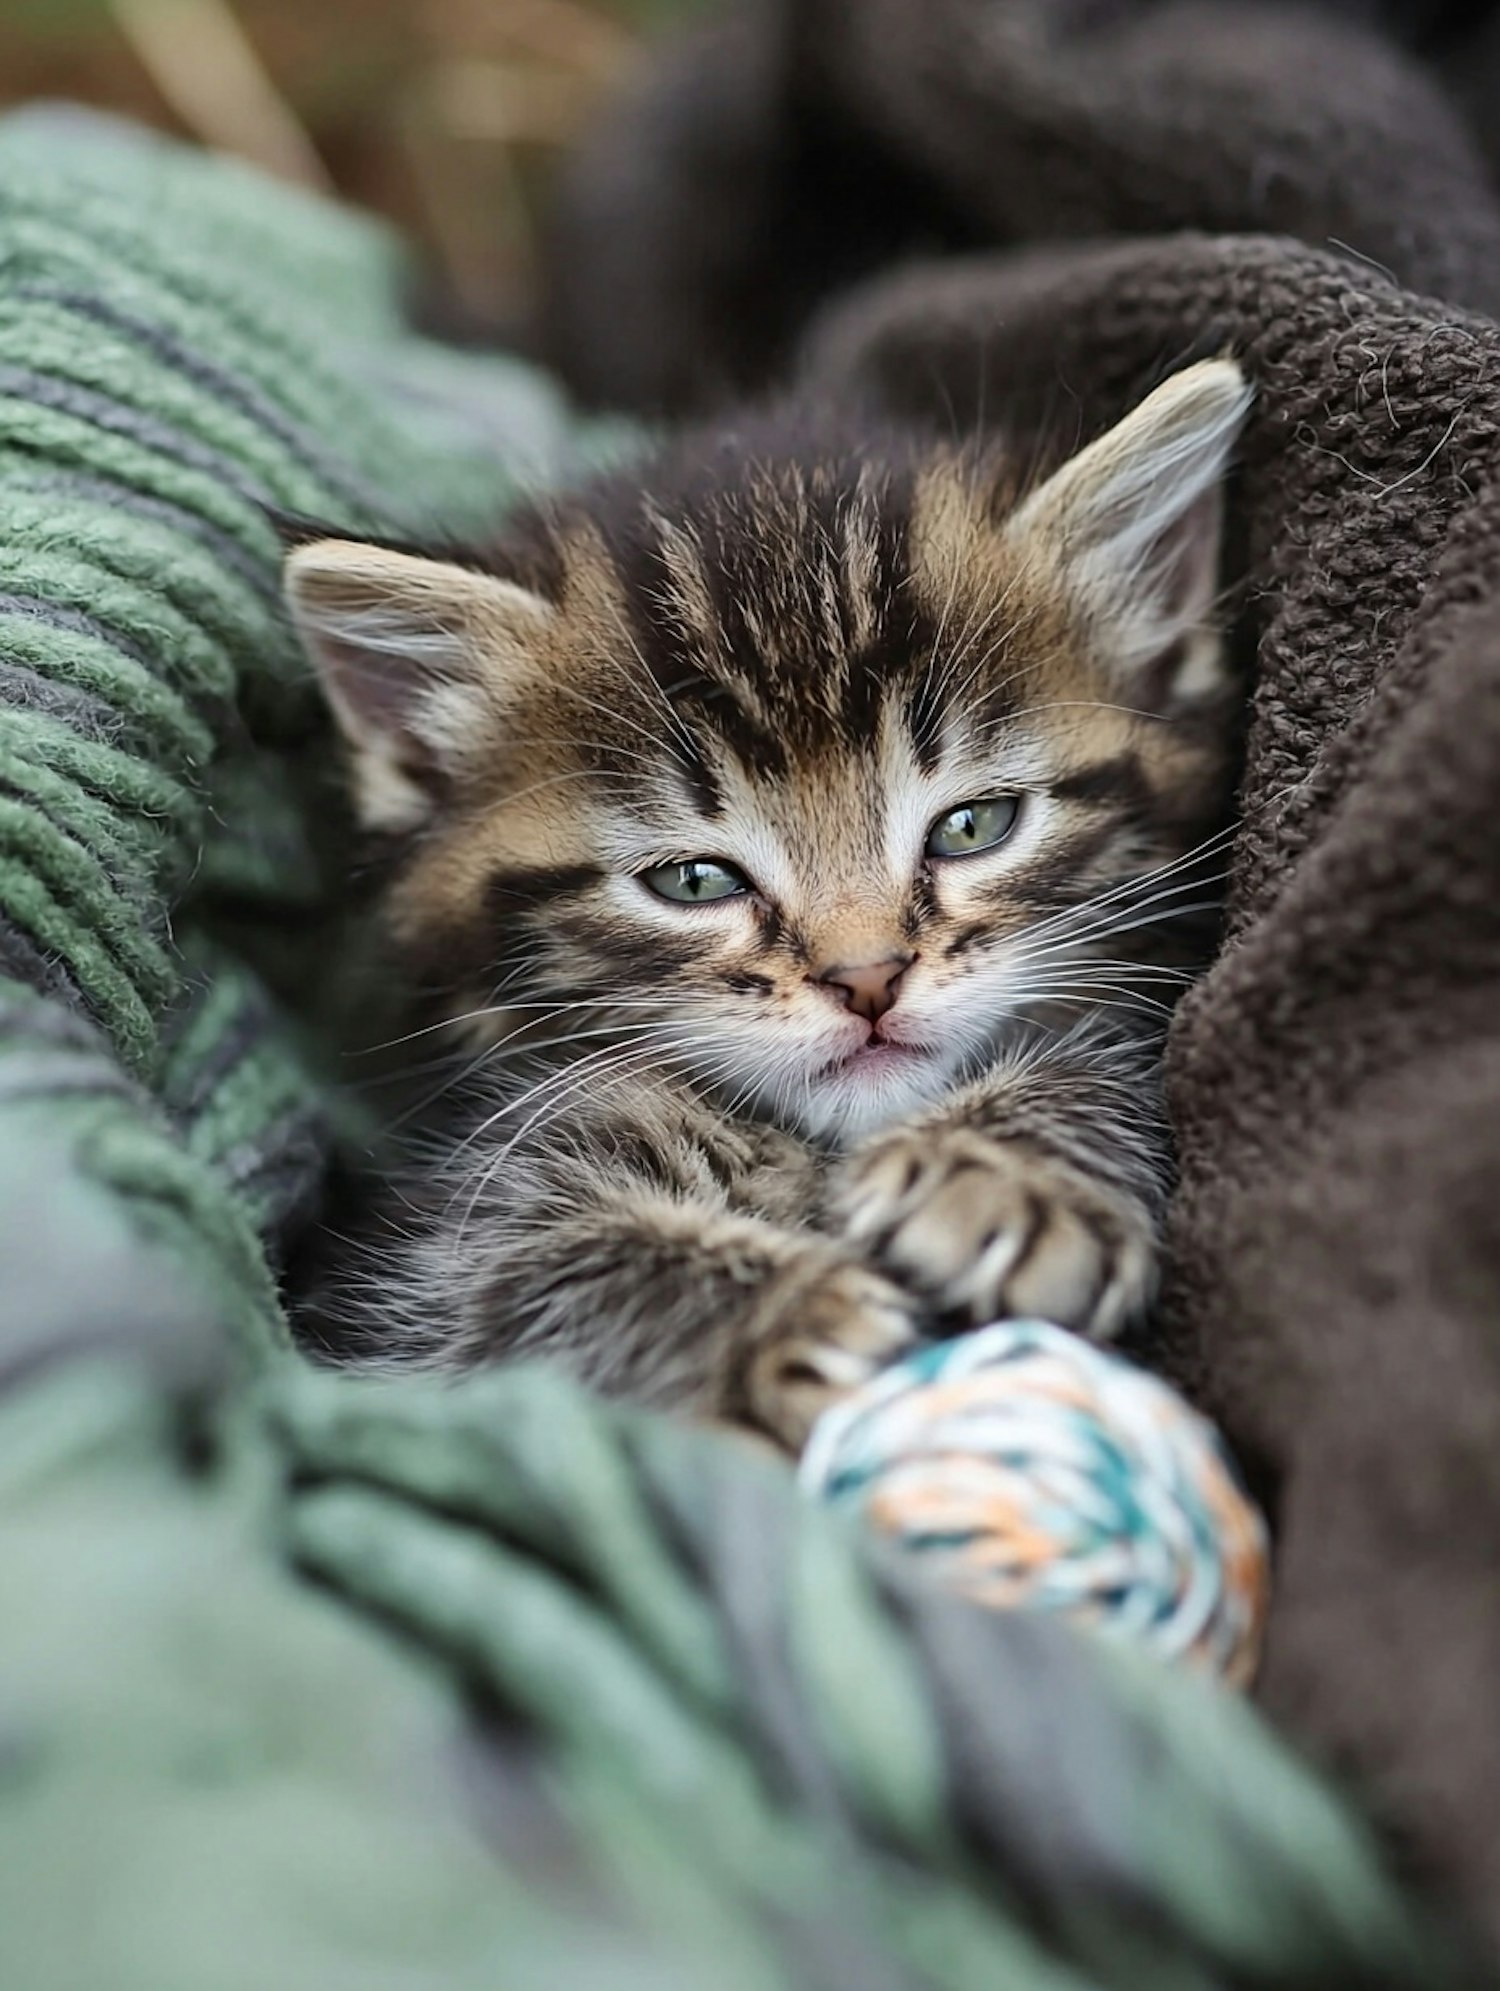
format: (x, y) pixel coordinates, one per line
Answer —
(673, 1153)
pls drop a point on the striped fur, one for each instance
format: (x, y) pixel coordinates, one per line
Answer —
(730, 1155)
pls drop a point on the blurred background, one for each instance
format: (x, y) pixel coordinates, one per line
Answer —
(446, 116)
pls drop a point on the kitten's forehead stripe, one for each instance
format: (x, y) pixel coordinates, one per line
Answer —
(1121, 779)
(924, 720)
(723, 714)
(771, 607)
(518, 890)
(688, 592)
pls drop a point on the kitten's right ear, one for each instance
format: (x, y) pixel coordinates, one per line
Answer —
(417, 658)
(1131, 528)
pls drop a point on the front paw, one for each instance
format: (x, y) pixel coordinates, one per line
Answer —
(823, 1332)
(986, 1229)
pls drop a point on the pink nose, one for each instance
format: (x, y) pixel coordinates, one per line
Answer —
(868, 987)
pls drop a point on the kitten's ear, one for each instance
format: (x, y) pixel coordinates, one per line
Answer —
(416, 658)
(1134, 522)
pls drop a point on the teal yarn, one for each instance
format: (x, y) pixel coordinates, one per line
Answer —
(1034, 1471)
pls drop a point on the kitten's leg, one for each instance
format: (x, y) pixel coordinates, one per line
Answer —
(689, 1307)
(1038, 1189)
(633, 1252)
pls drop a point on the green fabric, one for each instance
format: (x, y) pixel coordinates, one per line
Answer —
(183, 345)
(308, 1680)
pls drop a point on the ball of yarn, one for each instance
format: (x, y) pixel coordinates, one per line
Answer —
(1035, 1471)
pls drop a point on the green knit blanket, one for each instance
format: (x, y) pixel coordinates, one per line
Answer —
(313, 1681)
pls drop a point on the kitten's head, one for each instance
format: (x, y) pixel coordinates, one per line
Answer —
(818, 763)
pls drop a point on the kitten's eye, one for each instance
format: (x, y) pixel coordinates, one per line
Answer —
(973, 826)
(696, 881)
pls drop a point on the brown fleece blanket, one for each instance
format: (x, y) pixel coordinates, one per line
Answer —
(1336, 1079)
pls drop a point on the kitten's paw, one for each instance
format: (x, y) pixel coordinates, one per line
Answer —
(986, 1229)
(822, 1336)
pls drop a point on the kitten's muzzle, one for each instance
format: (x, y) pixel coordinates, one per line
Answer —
(867, 988)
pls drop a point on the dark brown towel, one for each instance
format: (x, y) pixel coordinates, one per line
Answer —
(1336, 1079)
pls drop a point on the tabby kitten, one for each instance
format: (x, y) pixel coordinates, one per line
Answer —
(792, 829)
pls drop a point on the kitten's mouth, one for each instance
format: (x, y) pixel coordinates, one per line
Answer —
(874, 1057)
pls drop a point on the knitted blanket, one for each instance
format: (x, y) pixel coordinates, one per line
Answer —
(180, 348)
(1157, 182)
(313, 1681)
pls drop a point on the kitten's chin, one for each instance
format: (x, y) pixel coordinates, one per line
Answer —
(866, 1092)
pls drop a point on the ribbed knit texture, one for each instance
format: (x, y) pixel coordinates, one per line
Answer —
(183, 345)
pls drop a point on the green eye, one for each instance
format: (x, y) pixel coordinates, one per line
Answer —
(696, 881)
(973, 826)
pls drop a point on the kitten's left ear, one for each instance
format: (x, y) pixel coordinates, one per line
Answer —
(1132, 525)
(419, 659)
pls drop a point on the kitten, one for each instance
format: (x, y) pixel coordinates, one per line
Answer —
(794, 829)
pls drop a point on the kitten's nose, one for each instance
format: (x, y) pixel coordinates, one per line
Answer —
(868, 987)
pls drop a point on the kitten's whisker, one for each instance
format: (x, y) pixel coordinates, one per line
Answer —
(601, 1079)
(946, 664)
(569, 1076)
(504, 1009)
(1205, 847)
(1131, 895)
(1154, 911)
(467, 1061)
(1078, 981)
(1153, 914)
(1147, 970)
(1079, 704)
(567, 774)
(1077, 946)
(471, 1067)
(1108, 995)
(615, 718)
(1138, 882)
(593, 1071)
(955, 693)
